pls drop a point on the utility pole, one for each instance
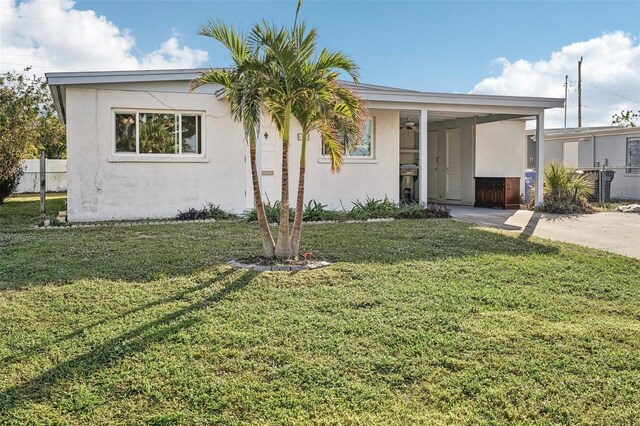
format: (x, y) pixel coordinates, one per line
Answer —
(566, 89)
(580, 92)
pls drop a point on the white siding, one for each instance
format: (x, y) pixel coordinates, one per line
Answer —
(501, 150)
(359, 178)
(102, 187)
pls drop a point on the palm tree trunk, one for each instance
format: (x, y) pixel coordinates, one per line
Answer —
(268, 246)
(283, 246)
(296, 232)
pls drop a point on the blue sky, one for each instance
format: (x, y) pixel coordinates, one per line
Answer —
(426, 45)
(498, 47)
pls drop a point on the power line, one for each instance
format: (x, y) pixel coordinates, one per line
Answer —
(611, 93)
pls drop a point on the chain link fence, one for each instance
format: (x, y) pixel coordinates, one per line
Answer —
(614, 184)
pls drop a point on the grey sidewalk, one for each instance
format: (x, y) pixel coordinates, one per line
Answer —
(615, 232)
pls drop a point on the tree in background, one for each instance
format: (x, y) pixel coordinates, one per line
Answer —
(625, 118)
(28, 123)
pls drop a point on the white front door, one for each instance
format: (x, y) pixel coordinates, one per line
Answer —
(432, 165)
(269, 163)
(453, 153)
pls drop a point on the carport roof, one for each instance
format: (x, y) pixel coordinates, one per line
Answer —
(369, 92)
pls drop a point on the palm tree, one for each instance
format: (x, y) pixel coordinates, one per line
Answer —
(277, 70)
(333, 111)
(244, 90)
(282, 55)
(298, 80)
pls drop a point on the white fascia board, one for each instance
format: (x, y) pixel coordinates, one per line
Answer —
(99, 77)
(460, 99)
(577, 134)
(470, 109)
(57, 95)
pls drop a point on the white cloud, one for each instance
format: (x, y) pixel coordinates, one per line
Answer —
(610, 73)
(51, 35)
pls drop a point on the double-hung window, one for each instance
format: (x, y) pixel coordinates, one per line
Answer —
(364, 148)
(633, 155)
(142, 132)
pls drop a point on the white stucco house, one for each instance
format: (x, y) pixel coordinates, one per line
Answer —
(121, 166)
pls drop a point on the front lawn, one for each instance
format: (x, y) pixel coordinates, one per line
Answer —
(418, 322)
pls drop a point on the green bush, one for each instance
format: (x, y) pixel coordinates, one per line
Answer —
(566, 190)
(372, 208)
(561, 180)
(10, 183)
(209, 211)
(565, 204)
(315, 211)
(272, 212)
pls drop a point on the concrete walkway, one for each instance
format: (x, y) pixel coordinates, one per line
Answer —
(611, 231)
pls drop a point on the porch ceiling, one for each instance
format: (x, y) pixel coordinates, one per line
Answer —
(436, 116)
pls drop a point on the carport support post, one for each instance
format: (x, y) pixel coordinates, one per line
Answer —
(423, 171)
(539, 158)
(43, 184)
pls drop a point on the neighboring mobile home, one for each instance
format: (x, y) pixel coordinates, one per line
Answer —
(615, 148)
(140, 145)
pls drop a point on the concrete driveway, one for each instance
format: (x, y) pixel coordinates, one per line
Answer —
(615, 232)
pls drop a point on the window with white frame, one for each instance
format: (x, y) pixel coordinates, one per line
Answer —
(363, 149)
(633, 155)
(142, 132)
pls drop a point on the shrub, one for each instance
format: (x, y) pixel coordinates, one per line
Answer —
(565, 190)
(422, 211)
(209, 211)
(10, 183)
(565, 181)
(315, 211)
(272, 211)
(565, 204)
(372, 208)
(215, 212)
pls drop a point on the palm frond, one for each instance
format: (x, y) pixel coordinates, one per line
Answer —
(333, 147)
(227, 35)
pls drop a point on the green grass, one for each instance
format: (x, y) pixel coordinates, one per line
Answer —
(419, 322)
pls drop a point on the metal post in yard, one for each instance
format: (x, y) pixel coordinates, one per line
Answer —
(601, 184)
(43, 184)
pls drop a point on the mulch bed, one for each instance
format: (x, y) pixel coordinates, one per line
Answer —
(263, 264)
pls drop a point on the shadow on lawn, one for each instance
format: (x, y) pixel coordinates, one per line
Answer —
(410, 240)
(147, 253)
(33, 350)
(133, 341)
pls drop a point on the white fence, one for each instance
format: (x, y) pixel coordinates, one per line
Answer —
(56, 176)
